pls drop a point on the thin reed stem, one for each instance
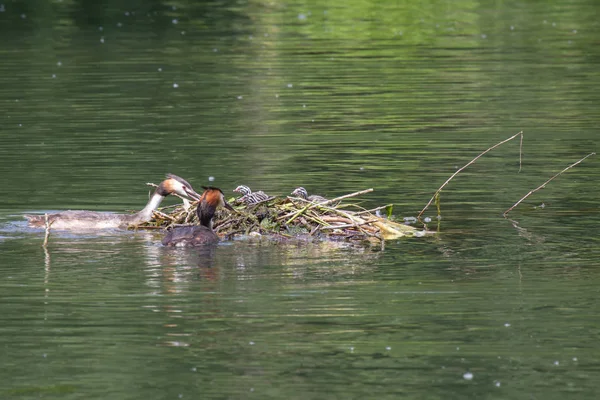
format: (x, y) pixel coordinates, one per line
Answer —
(544, 184)
(471, 162)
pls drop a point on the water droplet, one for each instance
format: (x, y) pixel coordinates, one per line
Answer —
(175, 85)
(215, 50)
(44, 355)
(458, 348)
(483, 36)
(119, 24)
(194, 369)
(180, 395)
(53, 75)
(545, 21)
(240, 97)
(301, 17)
(512, 28)
(159, 69)
(100, 28)
(362, 168)
(574, 30)
(507, 324)
(276, 96)
(59, 64)
(574, 358)
(127, 13)
(20, 124)
(388, 348)
(23, 16)
(427, 219)
(252, 389)
(497, 383)
(174, 8)
(468, 376)
(183, 32)
(303, 105)
(175, 21)
(351, 349)
(290, 85)
(102, 39)
(251, 343)
(211, 178)
(554, 24)
(556, 363)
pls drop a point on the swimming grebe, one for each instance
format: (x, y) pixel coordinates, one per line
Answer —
(303, 194)
(188, 236)
(82, 219)
(249, 197)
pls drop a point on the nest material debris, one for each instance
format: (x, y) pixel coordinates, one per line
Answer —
(291, 217)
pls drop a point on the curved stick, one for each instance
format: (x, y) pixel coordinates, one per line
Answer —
(471, 162)
(544, 184)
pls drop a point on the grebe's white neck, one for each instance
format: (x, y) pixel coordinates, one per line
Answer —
(146, 213)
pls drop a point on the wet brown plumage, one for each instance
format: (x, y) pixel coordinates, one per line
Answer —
(191, 236)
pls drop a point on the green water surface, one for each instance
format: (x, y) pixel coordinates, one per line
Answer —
(100, 97)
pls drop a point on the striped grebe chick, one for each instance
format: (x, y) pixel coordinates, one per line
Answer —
(249, 197)
(190, 236)
(303, 194)
(84, 220)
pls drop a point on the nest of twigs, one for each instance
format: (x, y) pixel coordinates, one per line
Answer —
(291, 217)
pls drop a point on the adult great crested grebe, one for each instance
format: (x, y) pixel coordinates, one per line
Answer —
(303, 194)
(249, 197)
(82, 220)
(189, 236)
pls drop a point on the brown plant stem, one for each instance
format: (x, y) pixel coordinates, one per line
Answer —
(544, 184)
(471, 162)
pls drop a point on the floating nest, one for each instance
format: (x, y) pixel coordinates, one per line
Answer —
(290, 218)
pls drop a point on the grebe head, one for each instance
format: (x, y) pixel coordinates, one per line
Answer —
(175, 184)
(300, 192)
(214, 197)
(243, 189)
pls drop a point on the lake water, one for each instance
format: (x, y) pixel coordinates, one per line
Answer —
(99, 98)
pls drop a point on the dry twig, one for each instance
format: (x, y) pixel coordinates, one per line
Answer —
(544, 184)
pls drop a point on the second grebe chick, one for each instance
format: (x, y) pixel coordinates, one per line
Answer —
(190, 236)
(85, 220)
(249, 197)
(303, 194)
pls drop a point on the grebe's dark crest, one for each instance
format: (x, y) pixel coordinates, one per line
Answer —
(249, 197)
(189, 236)
(303, 194)
(85, 220)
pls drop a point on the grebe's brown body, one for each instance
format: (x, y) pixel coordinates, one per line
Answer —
(84, 220)
(203, 234)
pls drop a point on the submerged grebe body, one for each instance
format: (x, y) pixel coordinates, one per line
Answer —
(303, 194)
(81, 220)
(249, 197)
(190, 236)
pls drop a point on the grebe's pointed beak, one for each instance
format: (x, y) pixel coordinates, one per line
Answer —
(228, 206)
(191, 193)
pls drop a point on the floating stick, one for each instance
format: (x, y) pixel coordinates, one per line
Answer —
(471, 162)
(47, 234)
(544, 184)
